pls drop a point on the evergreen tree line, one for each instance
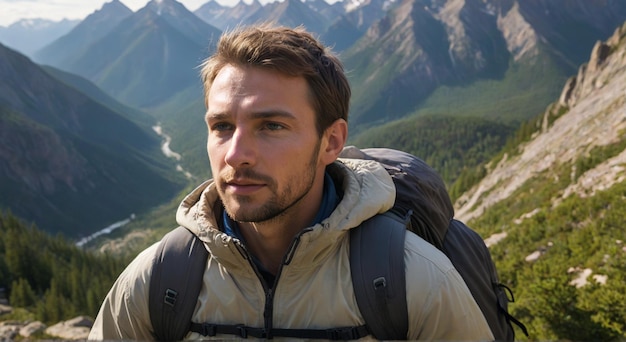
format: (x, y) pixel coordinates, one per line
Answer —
(50, 276)
(454, 146)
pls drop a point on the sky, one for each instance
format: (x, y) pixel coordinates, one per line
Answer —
(14, 10)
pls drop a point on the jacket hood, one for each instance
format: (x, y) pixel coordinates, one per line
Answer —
(419, 191)
(366, 190)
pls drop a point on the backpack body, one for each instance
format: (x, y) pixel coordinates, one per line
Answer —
(422, 206)
(422, 201)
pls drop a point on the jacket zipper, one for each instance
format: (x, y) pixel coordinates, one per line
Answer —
(268, 310)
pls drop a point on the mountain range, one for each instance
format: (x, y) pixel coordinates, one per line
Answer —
(420, 47)
(400, 53)
(30, 35)
(589, 114)
(518, 103)
(466, 61)
(69, 162)
(122, 52)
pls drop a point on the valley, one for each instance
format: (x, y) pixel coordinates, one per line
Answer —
(519, 105)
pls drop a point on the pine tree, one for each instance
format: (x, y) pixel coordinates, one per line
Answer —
(22, 295)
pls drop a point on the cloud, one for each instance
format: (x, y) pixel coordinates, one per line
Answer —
(13, 10)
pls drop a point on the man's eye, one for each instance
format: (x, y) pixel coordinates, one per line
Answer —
(273, 126)
(221, 126)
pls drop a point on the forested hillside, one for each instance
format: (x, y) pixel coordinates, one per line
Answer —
(450, 144)
(48, 278)
(552, 207)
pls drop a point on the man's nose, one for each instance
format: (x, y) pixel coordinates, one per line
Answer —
(241, 150)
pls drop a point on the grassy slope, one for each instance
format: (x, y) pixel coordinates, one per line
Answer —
(578, 233)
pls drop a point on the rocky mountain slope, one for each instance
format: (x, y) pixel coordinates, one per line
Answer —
(590, 113)
(424, 45)
(551, 208)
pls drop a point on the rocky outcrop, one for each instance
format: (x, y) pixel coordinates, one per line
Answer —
(32, 328)
(521, 39)
(73, 329)
(592, 111)
(9, 330)
(70, 330)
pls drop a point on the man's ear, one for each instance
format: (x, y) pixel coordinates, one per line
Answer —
(334, 139)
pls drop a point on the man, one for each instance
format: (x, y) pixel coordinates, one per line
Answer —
(276, 217)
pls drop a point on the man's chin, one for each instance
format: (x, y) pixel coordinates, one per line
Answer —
(252, 215)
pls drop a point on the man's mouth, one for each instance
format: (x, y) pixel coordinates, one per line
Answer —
(242, 187)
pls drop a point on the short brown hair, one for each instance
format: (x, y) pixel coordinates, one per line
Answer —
(293, 52)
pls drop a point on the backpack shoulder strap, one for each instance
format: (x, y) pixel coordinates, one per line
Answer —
(378, 278)
(175, 283)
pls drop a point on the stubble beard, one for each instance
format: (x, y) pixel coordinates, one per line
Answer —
(279, 204)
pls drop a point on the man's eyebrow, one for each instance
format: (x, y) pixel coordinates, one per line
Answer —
(268, 114)
(273, 114)
(215, 116)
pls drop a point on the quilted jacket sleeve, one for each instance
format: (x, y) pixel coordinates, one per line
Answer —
(440, 305)
(124, 313)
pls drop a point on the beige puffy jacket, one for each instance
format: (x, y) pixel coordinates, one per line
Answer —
(314, 287)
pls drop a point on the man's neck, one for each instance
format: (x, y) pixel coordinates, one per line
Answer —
(269, 241)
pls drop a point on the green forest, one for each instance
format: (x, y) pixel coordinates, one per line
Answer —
(49, 278)
(454, 146)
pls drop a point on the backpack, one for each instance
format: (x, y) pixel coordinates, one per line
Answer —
(422, 206)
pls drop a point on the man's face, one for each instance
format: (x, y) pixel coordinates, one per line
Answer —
(263, 145)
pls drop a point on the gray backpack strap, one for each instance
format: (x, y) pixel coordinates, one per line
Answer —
(378, 278)
(175, 283)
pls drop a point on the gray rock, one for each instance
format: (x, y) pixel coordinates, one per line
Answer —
(73, 329)
(9, 330)
(32, 328)
(5, 309)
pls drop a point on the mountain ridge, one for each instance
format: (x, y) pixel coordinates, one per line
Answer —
(30, 35)
(59, 148)
(65, 51)
(554, 143)
(476, 44)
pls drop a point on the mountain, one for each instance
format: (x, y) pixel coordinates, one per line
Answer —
(410, 61)
(588, 115)
(347, 27)
(184, 21)
(147, 57)
(572, 27)
(86, 87)
(314, 15)
(67, 162)
(224, 17)
(29, 35)
(551, 207)
(66, 50)
(420, 52)
(290, 13)
(329, 11)
(424, 47)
